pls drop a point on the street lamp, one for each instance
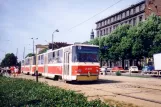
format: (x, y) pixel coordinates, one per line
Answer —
(33, 43)
(53, 37)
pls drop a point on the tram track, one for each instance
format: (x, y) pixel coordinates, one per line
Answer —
(126, 95)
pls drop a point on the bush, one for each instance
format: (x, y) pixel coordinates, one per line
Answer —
(21, 92)
(118, 73)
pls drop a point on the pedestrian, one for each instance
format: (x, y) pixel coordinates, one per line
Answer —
(15, 71)
(12, 70)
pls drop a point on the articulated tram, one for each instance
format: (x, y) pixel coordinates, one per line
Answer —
(76, 62)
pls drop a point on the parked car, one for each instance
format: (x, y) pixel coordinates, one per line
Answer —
(133, 69)
(103, 69)
(148, 68)
(109, 69)
(117, 68)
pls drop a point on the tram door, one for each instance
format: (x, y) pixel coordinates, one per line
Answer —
(46, 64)
(66, 66)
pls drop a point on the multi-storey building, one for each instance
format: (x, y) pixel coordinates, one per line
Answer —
(131, 15)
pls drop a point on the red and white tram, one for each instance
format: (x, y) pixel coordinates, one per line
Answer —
(28, 65)
(76, 62)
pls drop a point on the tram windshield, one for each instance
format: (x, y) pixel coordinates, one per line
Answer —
(85, 54)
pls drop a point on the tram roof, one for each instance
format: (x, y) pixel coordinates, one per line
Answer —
(85, 45)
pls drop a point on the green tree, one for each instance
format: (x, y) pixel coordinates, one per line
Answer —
(117, 46)
(86, 42)
(9, 60)
(43, 50)
(132, 42)
(95, 41)
(29, 55)
(147, 32)
(156, 46)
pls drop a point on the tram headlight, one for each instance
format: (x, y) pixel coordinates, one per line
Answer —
(79, 70)
(97, 70)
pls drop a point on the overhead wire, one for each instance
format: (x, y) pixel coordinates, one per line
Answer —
(94, 16)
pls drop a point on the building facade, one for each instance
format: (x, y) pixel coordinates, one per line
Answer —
(131, 15)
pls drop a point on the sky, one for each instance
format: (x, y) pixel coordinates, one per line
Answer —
(21, 20)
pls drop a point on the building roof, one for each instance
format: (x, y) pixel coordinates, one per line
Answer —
(132, 6)
(58, 45)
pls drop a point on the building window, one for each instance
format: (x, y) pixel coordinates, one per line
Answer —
(125, 22)
(116, 26)
(100, 32)
(109, 20)
(110, 29)
(140, 18)
(121, 16)
(134, 10)
(106, 22)
(130, 12)
(125, 14)
(106, 30)
(100, 24)
(103, 23)
(140, 7)
(130, 21)
(97, 33)
(134, 21)
(116, 17)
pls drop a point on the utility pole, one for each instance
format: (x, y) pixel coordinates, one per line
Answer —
(24, 53)
(33, 44)
(36, 72)
(53, 38)
(17, 52)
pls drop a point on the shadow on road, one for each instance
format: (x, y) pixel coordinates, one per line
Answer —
(100, 81)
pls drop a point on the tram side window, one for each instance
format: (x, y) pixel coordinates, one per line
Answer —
(42, 59)
(59, 56)
(74, 55)
(22, 63)
(34, 60)
(50, 57)
(54, 57)
(39, 60)
(27, 62)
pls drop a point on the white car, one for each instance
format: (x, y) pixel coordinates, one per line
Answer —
(133, 69)
(103, 69)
